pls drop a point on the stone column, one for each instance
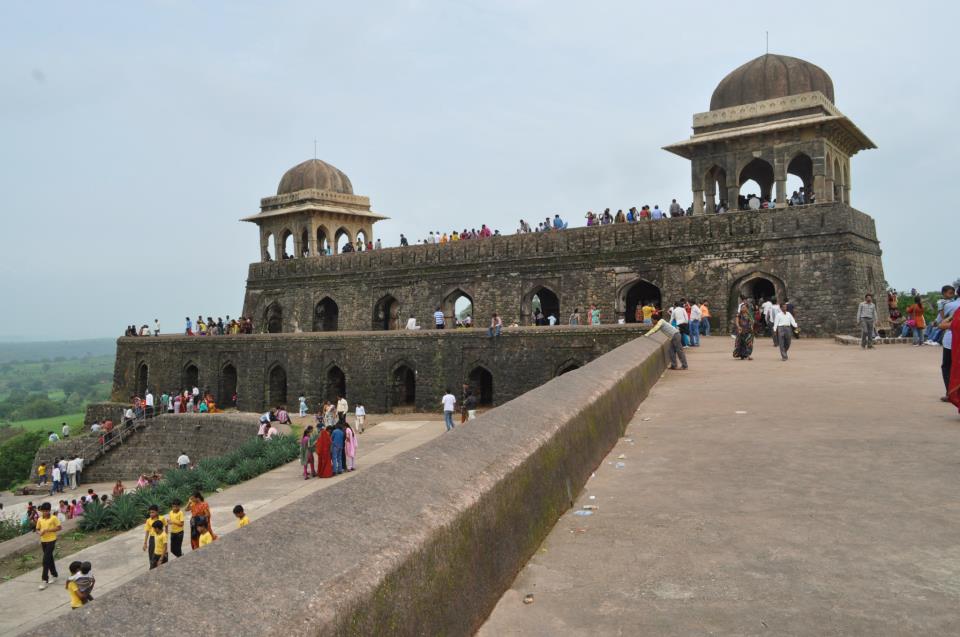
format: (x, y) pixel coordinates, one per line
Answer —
(781, 192)
(697, 202)
(277, 246)
(819, 188)
(733, 192)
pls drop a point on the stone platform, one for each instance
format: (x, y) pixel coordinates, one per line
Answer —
(813, 497)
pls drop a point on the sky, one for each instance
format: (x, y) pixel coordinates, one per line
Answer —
(133, 136)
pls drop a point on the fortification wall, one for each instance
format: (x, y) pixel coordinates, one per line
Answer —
(156, 446)
(516, 362)
(435, 535)
(823, 257)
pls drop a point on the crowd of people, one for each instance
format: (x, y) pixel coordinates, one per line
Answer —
(202, 327)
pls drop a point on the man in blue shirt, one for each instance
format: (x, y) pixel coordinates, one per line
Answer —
(438, 319)
(336, 450)
(946, 317)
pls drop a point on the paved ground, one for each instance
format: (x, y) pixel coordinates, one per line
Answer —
(813, 497)
(119, 559)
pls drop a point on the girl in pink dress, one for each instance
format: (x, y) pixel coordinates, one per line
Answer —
(350, 447)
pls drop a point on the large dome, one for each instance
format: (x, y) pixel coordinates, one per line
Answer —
(769, 77)
(317, 174)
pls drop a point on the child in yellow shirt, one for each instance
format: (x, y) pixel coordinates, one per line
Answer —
(175, 528)
(76, 601)
(159, 554)
(206, 537)
(242, 519)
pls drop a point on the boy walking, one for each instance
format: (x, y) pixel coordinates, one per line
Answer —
(48, 526)
(158, 553)
(175, 528)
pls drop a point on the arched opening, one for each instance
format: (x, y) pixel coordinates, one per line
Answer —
(636, 296)
(459, 305)
(544, 303)
(837, 181)
(305, 243)
(404, 387)
(799, 179)
(142, 379)
(361, 241)
(336, 383)
(273, 318)
(343, 239)
(286, 241)
(228, 386)
(191, 377)
(715, 188)
(756, 288)
(481, 383)
(386, 313)
(756, 179)
(277, 387)
(569, 366)
(326, 314)
(268, 252)
(323, 241)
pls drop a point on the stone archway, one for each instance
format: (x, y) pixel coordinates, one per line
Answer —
(386, 313)
(273, 318)
(323, 241)
(336, 383)
(277, 386)
(143, 377)
(541, 297)
(801, 167)
(634, 294)
(403, 386)
(457, 306)
(190, 377)
(756, 287)
(567, 366)
(326, 315)
(228, 386)
(481, 383)
(759, 171)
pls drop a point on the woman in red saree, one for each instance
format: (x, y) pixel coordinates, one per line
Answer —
(198, 509)
(953, 387)
(324, 461)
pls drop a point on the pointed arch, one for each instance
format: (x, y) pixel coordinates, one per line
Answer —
(342, 238)
(267, 248)
(567, 366)
(800, 167)
(276, 386)
(402, 382)
(632, 295)
(336, 382)
(759, 171)
(715, 187)
(273, 317)
(323, 241)
(287, 248)
(226, 396)
(386, 313)
(480, 379)
(540, 296)
(143, 378)
(190, 376)
(304, 248)
(326, 315)
(457, 305)
(757, 284)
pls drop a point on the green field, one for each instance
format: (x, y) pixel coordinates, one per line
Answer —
(43, 389)
(54, 423)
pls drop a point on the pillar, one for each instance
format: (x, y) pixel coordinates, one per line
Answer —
(697, 202)
(819, 188)
(733, 194)
(781, 192)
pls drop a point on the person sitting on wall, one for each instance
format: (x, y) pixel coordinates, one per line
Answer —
(347, 247)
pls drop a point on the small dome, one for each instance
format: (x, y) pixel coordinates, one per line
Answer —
(317, 174)
(769, 77)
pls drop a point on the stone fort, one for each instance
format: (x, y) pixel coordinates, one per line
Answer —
(330, 321)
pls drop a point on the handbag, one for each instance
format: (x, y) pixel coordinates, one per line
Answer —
(911, 323)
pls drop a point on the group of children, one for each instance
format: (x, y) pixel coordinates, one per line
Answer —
(164, 535)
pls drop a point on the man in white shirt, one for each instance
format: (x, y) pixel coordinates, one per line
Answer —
(342, 409)
(183, 462)
(65, 431)
(552, 320)
(148, 399)
(79, 462)
(156, 327)
(783, 326)
(695, 316)
(412, 323)
(679, 316)
(72, 474)
(449, 404)
(359, 416)
(56, 485)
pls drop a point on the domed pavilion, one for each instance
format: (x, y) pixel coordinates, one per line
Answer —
(314, 208)
(772, 117)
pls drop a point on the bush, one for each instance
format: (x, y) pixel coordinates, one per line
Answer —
(16, 457)
(95, 516)
(124, 513)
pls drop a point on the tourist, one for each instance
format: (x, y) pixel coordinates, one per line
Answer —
(675, 349)
(189, 327)
(205, 534)
(85, 582)
(342, 409)
(118, 489)
(496, 325)
(917, 322)
(552, 319)
(412, 323)
(743, 346)
(695, 317)
(158, 548)
(303, 406)
(350, 447)
(272, 432)
(439, 322)
(680, 320)
(76, 601)
(72, 473)
(594, 315)
(675, 210)
(470, 403)
(324, 447)
(336, 449)
(449, 402)
(242, 519)
(867, 317)
(704, 318)
(403, 240)
(783, 327)
(282, 416)
(948, 314)
(575, 317)
(56, 485)
(47, 526)
(307, 443)
(175, 527)
(150, 532)
(65, 431)
(41, 474)
(53, 437)
(183, 461)
(359, 416)
(199, 513)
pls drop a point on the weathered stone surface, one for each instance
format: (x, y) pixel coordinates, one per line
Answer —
(420, 545)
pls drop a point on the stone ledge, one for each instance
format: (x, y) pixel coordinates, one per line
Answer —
(424, 544)
(843, 339)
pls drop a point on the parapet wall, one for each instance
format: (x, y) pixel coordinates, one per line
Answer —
(423, 544)
(156, 446)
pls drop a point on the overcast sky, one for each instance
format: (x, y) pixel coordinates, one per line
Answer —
(133, 136)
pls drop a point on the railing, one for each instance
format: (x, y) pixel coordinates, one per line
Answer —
(114, 438)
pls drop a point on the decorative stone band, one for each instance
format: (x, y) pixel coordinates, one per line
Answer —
(424, 544)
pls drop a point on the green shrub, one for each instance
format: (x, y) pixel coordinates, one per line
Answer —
(95, 516)
(125, 513)
(16, 457)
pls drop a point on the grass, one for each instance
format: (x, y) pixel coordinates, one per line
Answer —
(54, 423)
(68, 543)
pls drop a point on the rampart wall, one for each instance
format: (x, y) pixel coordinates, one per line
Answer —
(823, 257)
(432, 537)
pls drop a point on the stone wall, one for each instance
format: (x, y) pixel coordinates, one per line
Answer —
(373, 364)
(823, 257)
(434, 536)
(98, 412)
(156, 446)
